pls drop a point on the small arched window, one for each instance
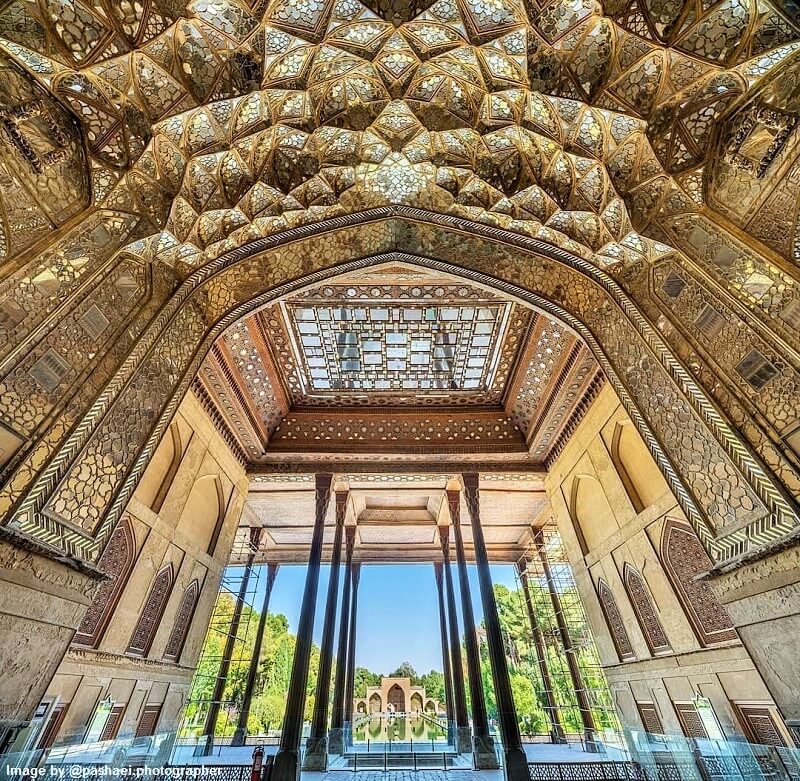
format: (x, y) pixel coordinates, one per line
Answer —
(150, 618)
(645, 610)
(183, 620)
(684, 558)
(616, 626)
(116, 562)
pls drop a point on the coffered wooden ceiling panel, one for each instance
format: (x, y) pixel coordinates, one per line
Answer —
(397, 362)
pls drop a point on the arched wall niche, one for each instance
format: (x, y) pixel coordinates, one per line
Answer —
(75, 505)
(204, 510)
(684, 558)
(614, 622)
(642, 480)
(116, 562)
(644, 608)
(591, 511)
(160, 473)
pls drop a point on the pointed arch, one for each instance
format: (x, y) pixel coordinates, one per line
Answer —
(150, 618)
(161, 471)
(183, 620)
(116, 562)
(684, 558)
(616, 626)
(637, 471)
(222, 509)
(649, 622)
(591, 512)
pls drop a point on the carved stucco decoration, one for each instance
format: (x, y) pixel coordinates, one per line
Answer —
(720, 486)
(591, 134)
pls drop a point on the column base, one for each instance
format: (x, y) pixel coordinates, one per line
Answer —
(463, 740)
(590, 742)
(484, 755)
(336, 741)
(286, 766)
(239, 737)
(516, 765)
(316, 756)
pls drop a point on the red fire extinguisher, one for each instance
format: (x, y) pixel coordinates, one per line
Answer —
(258, 763)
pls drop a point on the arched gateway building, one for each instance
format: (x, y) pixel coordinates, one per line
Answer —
(329, 280)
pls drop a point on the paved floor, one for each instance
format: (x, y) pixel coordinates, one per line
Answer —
(536, 752)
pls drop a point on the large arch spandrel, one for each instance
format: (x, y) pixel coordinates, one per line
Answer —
(725, 491)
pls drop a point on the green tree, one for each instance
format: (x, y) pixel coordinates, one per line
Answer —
(433, 683)
(362, 679)
(405, 670)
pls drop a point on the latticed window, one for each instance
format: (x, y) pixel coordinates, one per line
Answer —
(645, 611)
(683, 558)
(760, 725)
(616, 626)
(147, 626)
(116, 562)
(650, 718)
(691, 723)
(149, 721)
(183, 621)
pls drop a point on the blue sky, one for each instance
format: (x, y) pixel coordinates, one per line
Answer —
(398, 613)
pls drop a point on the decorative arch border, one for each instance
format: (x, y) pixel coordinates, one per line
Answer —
(644, 371)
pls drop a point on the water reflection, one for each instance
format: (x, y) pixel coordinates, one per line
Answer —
(380, 732)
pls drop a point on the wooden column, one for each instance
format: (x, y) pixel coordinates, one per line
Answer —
(463, 735)
(482, 744)
(316, 757)
(587, 718)
(550, 706)
(287, 760)
(227, 651)
(244, 712)
(336, 736)
(351, 654)
(516, 763)
(448, 674)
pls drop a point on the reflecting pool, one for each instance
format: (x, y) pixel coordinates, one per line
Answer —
(401, 732)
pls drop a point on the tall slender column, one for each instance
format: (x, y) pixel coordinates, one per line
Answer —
(244, 712)
(589, 729)
(550, 707)
(336, 735)
(516, 762)
(448, 675)
(287, 760)
(351, 654)
(463, 738)
(482, 742)
(227, 651)
(316, 757)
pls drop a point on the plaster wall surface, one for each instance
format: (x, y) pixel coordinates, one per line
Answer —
(613, 510)
(197, 488)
